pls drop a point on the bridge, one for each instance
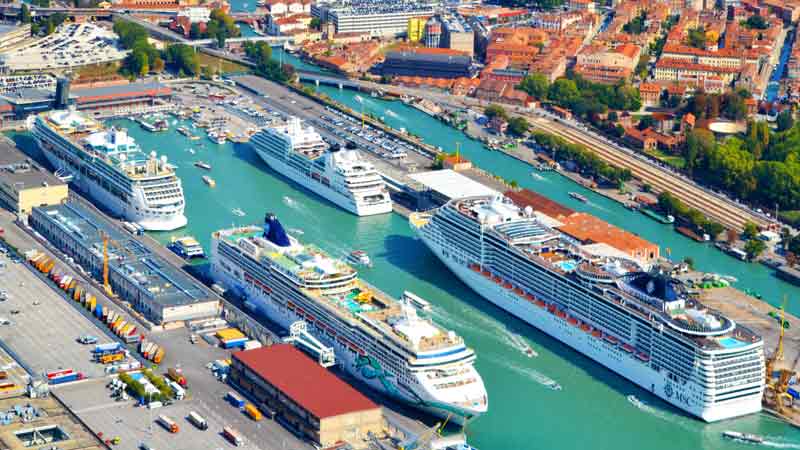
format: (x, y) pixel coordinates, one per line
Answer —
(274, 41)
(318, 78)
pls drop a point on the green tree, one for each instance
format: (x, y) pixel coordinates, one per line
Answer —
(35, 29)
(25, 14)
(645, 122)
(785, 120)
(536, 85)
(697, 38)
(699, 143)
(194, 31)
(518, 126)
(750, 231)
(754, 248)
(495, 110)
(713, 229)
(564, 91)
(756, 22)
(315, 23)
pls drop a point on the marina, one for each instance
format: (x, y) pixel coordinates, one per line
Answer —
(399, 262)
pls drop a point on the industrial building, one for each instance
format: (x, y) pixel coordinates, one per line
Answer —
(24, 184)
(155, 288)
(433, 32)
(416, 28)
(377, 19)
(438, 187)
(457, 34)
(422, 63)
(306, 397)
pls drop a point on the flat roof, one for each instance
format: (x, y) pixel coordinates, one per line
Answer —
(452, 184)
(120, 90)
(20, 171)
(159, 281)
(589, 229)
(300, 378)
(539, 203)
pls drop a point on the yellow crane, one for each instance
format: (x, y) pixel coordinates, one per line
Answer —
(106, 241)
(779, 351)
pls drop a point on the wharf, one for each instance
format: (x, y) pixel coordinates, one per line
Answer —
(753, 314)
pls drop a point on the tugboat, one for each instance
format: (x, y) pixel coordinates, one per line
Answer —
(745, 437)
(578, 197)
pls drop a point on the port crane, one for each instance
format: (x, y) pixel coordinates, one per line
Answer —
(777, 390)
(106, 241)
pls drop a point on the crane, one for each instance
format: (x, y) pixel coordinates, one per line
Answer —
(106, 241)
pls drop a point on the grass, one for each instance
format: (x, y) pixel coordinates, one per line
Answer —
(675, 161)
(222, 64)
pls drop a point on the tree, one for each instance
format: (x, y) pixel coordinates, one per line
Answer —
(518, 126)
(785, 120)
(754, 248)
(613, 116)
(750, 231)
(315, 23)
(697, 38)
(157, 65)
(756, 22)
(139, 64)
(713, 229)
(689, 261)
(35, 29)
(194, 31)
(25, 14)
(564, 91)
(495, 110)
(536, 85)
(699, 143)
(645, 122)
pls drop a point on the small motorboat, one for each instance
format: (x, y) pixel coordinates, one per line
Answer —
(360, 257)
(745, 437)
(202, 165)
(578, 197)
(209, 181)
(238, 212)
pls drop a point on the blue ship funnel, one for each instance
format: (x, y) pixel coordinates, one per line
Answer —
(274, 232)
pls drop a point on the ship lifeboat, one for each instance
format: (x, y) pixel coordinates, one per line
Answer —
(627, 348)
(486, 273)
(561, 314)
(519, 291)
(540, 303)
(508, 285)
(552, 309)
(597, 333)
(475, 267)
(530, 297)
(611, 339)
(573, 321)
(643, 356)
(497, 279)
(586, 327)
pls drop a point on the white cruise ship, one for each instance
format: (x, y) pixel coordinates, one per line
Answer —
(639, 323)
(378, 340)
(108, 166)
(343, 177)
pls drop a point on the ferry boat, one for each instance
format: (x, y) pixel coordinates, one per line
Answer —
(377, 339)
(578, 197)
(668, 219)
(209, 181)
(342, 177)
(217, 137)
(745, 437)
(108, 166)
(202, 165)
(360, 257)
(633, 319)
(184, 131)
(187, 247)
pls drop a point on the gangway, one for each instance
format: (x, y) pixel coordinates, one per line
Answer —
(299, 335)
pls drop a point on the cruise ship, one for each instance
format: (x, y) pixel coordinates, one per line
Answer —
(380, 341)
(108, 166)
(343, 177)
(637, 321)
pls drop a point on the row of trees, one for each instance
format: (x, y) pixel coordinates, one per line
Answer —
(145, 58)
(730, 105)
(583, 97)
(261, 54)
(46, 25)
(669, 204)
(588, 161)
(220, 27)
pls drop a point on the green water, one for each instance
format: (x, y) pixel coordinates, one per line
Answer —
(591, 412)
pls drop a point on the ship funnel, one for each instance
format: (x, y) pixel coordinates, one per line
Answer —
(274, 232)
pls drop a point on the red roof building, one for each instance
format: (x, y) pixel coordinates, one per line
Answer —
(308, 396)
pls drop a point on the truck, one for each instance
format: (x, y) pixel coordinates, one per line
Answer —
(132, 337)
(197, 420)
(65, 378)
(253, 412)
(177, 376)
(87, 339)
(111, 357)
(233, 436)
(111, 347)
(235, 399)
(168, 423)
(159, 355)
(177, 390)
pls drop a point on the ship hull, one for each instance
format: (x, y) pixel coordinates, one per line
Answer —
(345, 202)
(685, 397)
(133, 211)
(263, 304)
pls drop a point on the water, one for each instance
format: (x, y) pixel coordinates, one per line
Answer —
(526, 410)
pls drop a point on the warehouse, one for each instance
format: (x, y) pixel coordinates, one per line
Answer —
(438, 187)
(24, 184)
(158, 290)
(305, 396)
(426, 63)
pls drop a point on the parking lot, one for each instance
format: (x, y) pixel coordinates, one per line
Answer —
(41, 326)
(69, 46)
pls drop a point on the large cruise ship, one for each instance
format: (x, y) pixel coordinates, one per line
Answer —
(343, 177)
(637, 321)
(380, 341)
(108, 165)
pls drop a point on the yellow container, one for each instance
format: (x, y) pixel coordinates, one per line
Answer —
(77, 294)
(229, 333)
(113, 357)
(253, 412)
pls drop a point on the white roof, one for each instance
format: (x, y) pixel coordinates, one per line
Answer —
(452, 184)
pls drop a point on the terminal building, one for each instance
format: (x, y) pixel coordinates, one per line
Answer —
(427, 63)
(24, 184)
(377, 19)
(155, 288)
(305, 397)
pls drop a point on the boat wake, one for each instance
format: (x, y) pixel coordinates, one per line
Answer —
(238, 212)
(778, 442)
(655, 412)
(518, 342)
(296, 231)
(596, 206)
(359, 99)
(532, 374)
(294, 204)
(393, 114)
(538, 177)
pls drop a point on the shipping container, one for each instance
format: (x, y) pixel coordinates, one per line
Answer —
(232, 436)
(58, 373)
(253, 344)
(112, 316)
(8, 387)
(71, 285)
(3, 374)
(198, 420)
(74, 376)
(64, 281)
(176, 376)
(794, 393)
(116, 322)
(124, 330)
(92, 303)
(132, 338)
(233, 343)
(106, 310)
(229, 333)
(253, 412)
(112, 357)
(119, 326)
(159, 356)
(77, 294)
(110, 347)
(235, 399)
(168, 423)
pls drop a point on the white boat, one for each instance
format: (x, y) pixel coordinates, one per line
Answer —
(745, 437)
(238, 212)
(416, 301)
(109, 167)
(521, 345)
(360, 257)
(343, 177)
(376, 339)
(202, 165)
(187, 247)
(209, 181)
(636, 321)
